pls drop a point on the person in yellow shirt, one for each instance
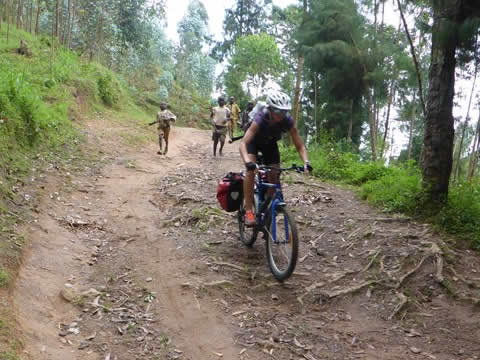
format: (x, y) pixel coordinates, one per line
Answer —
(235, 113)
(220, 117)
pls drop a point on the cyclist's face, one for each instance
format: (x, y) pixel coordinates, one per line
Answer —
(277, 115)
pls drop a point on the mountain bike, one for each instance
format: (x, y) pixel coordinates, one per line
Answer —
(275, 222)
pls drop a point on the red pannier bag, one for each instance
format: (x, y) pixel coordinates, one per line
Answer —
(230, 191)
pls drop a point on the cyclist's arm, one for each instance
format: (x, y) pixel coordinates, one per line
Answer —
(298, 142)
(247, 139)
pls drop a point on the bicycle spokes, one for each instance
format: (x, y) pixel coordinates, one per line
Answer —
(282, 245)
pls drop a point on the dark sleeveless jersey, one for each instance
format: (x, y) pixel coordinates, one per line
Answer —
(268, 131)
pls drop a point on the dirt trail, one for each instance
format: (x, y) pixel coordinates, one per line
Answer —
(122, 265)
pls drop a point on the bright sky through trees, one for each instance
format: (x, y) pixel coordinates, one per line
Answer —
(216, 11)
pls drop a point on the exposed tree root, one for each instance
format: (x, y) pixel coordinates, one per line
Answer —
(433, 251)
(371, 261)
(470, 283)
(233, 266)
(387, 220)
(219, 283)
(400, 305)
(351, 289)
(411, 272)
(439, 265)
(309, 289)
(317, 285)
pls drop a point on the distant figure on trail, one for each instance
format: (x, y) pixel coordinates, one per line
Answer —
(235, 113)
(220, 116)
(164, 116)
(245, 119)
(262, 136)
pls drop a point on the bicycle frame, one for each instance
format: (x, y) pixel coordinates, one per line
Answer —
(277, 201)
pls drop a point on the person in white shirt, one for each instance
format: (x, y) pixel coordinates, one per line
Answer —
(219, 116)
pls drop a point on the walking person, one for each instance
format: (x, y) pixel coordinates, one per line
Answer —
(235, 114)
(245, 123)
(220, 116)
(164, 117)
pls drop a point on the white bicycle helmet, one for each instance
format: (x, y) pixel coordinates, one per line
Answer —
(278, 100)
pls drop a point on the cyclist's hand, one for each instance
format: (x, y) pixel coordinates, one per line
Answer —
(307, 168)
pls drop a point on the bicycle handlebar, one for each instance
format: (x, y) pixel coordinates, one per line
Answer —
(235, 138)
(292, 167)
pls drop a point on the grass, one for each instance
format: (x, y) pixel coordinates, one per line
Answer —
(43, 98)
(3, 278)
(10, 344)
(43, 101)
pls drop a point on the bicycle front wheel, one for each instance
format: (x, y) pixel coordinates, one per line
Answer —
(282, 244)
(247, 235)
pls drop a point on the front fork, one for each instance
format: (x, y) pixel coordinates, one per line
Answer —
(277, 203)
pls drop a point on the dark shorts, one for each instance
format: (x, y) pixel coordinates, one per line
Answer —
(270, 152)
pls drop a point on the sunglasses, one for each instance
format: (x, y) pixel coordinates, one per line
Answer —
(278, 111)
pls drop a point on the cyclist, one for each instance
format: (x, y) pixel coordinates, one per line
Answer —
(219, 116)
(262, 136)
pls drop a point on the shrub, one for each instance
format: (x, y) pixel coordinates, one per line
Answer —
(369, 171)
(107, 90)
(398, 190)
(461, 215)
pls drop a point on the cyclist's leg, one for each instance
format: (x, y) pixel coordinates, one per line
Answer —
(249, 178)
(271, 156)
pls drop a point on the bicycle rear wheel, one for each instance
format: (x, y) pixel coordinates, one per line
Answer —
(282, 244)
(247, 235)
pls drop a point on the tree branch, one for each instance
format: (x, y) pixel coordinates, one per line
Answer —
(412, 50)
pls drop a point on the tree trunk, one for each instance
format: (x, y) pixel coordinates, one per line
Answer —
(53, 45)
(39, 10)
(438, 136)
(69, 18)
(30, 23)
(62, 23)
(412, 121)
(296, 100)
(71, 25)
(414, 56)
(467, 118)
(315, 76)
(391, 95)
(57, 18)
(8, 21)
(350, 124)
(474, 155)
(371, 121)
(20, 14)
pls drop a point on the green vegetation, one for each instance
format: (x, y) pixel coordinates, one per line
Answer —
(3, 278)
(43, 100)
(395, 188)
